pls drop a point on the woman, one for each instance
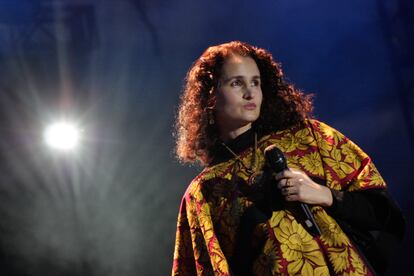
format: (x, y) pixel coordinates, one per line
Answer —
(236, 220)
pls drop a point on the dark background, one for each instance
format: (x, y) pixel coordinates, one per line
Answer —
(117, 69)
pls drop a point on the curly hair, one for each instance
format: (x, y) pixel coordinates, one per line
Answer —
(283, 105)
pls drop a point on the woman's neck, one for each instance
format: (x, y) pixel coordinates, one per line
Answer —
(227, 135)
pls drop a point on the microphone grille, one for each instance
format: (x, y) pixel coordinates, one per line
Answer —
(275, 158)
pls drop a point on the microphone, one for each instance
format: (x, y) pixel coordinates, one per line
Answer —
(276, 162)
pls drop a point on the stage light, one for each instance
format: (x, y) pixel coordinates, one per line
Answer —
(62, 136)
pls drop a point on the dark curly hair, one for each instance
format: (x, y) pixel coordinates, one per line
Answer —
(283, 105)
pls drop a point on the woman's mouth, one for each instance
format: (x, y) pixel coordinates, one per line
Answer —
(249, 106)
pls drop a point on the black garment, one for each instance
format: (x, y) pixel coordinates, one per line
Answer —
(373, 221)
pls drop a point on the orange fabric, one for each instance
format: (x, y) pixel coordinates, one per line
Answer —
(211, 209)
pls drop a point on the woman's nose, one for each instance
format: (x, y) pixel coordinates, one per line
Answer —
(248, 93)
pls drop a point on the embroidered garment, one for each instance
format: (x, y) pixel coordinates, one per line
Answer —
(213, 206)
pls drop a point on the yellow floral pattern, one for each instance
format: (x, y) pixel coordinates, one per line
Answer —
(212, 206)
(312, 163)
(299, 248)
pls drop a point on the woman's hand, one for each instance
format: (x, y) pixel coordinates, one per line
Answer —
(295, 185)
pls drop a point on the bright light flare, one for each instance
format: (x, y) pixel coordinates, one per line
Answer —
(62, 136)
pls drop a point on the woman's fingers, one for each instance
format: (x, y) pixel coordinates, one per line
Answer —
(284, 182)
(293, 184)
(284, 174)
(289, 190)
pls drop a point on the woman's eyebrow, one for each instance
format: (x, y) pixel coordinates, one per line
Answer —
(240, 77)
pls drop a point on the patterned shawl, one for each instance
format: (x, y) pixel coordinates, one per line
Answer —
(211, 209)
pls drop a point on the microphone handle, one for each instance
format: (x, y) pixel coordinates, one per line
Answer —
(276, 162)
(309, 220)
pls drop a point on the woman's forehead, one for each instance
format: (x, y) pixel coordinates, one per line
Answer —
(239, 65)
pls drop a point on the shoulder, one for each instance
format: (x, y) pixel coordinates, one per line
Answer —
(200, 184)
(308, 131)
(194, 188)
(320, 126)
(299, 133)
(329, 138)
(211, 182)
(325, 133)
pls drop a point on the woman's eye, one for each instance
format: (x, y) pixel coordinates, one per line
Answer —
(256, 83)
(236, 83)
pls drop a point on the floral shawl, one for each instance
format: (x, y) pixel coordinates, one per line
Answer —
(210, 211)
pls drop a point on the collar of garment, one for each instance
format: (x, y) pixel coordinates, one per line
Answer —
(237, 145)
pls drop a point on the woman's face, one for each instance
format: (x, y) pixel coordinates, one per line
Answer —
(239, 95)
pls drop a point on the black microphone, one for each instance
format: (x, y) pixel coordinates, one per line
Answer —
(276, 162)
